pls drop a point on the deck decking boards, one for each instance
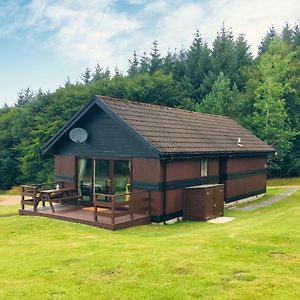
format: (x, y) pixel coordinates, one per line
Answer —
(79, 214)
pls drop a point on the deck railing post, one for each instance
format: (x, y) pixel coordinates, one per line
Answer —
(23, 197)
(95, 207)
(131, 204)
(113, 210)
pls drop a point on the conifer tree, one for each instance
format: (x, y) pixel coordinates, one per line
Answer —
(24, 96)
(144, 63)
(155, 59)
(270, 35)
(133, 65)
(86, 76)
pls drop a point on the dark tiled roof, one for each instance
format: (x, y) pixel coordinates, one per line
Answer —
(172, 130)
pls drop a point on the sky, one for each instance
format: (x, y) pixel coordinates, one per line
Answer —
(42, 42)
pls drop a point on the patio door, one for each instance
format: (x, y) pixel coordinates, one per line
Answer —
(105, 176)
(85, 178)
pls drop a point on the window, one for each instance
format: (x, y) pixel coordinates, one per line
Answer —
(203, 167)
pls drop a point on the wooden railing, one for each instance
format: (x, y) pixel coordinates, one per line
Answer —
(118, 205)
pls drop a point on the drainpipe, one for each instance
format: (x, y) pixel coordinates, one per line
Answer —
(164, 162)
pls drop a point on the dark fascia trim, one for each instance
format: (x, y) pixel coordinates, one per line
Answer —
(107, 155)
(175, 184)
(188, 156)
(246, 195)
(170, 216)
(96, 100)
(235, 175)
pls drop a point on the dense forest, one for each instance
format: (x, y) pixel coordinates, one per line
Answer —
(262, 93)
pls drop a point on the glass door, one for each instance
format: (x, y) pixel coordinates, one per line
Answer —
(85, 179)
(102, 180)
(122, 177)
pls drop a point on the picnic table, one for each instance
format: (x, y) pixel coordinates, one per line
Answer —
(58, 196)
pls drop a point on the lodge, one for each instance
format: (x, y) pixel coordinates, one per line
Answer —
(132, 161)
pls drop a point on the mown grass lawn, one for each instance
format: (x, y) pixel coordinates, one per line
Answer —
(284, 181)
(256, 256)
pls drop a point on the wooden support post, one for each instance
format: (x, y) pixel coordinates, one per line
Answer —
(113, 211)
(95, 207)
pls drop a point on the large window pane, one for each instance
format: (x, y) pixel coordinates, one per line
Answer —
(121, 180)
(84, 177)
(102, 181)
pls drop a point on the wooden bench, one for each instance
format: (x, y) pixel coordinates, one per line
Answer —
(59, 196)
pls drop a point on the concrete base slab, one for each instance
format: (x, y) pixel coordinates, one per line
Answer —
(221, 220)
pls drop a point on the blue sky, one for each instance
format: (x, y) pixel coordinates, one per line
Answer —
(42, 42)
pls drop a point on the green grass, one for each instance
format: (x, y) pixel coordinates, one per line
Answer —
(283, 181)
(256, 256)
(269, 194)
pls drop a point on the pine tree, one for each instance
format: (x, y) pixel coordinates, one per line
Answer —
(24, 96)
(68, 83)
(133, 65)
(144, 63)
(222, 100)
(155, 59)
(198, 64)
(264, 44)
(243, 59)
(168, 63)
(86, 76)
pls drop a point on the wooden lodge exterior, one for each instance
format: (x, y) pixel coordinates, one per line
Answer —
(134, 146)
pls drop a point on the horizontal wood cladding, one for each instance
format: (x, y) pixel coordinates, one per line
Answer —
(241, 164)
(187, 169)
(106, 138)
(213, 167)
(146, 170)
(176, 184)
(246, 185)
(180, 170)
(174, 201)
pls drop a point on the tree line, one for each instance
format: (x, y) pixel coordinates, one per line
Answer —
(261, 93)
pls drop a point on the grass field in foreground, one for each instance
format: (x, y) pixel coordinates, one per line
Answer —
(256, 256)
(283, 181)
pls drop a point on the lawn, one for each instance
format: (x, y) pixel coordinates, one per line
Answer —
(284, 181)
(256, 256)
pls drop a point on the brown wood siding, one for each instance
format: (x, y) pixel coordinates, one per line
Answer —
(244, 185)
(146, 170)
(174, 201)
(65, 167)
(185, 169)
(235, 165)
(156, 203)
(213, 167)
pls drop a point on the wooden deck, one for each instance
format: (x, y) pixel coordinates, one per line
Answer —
(84, 215)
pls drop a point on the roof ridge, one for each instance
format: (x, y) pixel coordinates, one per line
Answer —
(162, 107)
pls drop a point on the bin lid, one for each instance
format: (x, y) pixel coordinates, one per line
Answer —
(203, 186)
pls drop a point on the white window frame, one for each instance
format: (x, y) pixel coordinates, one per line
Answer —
(204, 167)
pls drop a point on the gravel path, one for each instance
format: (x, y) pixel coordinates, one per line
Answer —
(270, 201)
(9, 200)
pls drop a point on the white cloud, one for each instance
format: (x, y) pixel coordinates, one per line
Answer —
(96, 30)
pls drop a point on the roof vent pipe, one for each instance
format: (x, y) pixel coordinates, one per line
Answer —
(239, 142)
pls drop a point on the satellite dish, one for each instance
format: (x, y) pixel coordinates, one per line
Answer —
(78, 135)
